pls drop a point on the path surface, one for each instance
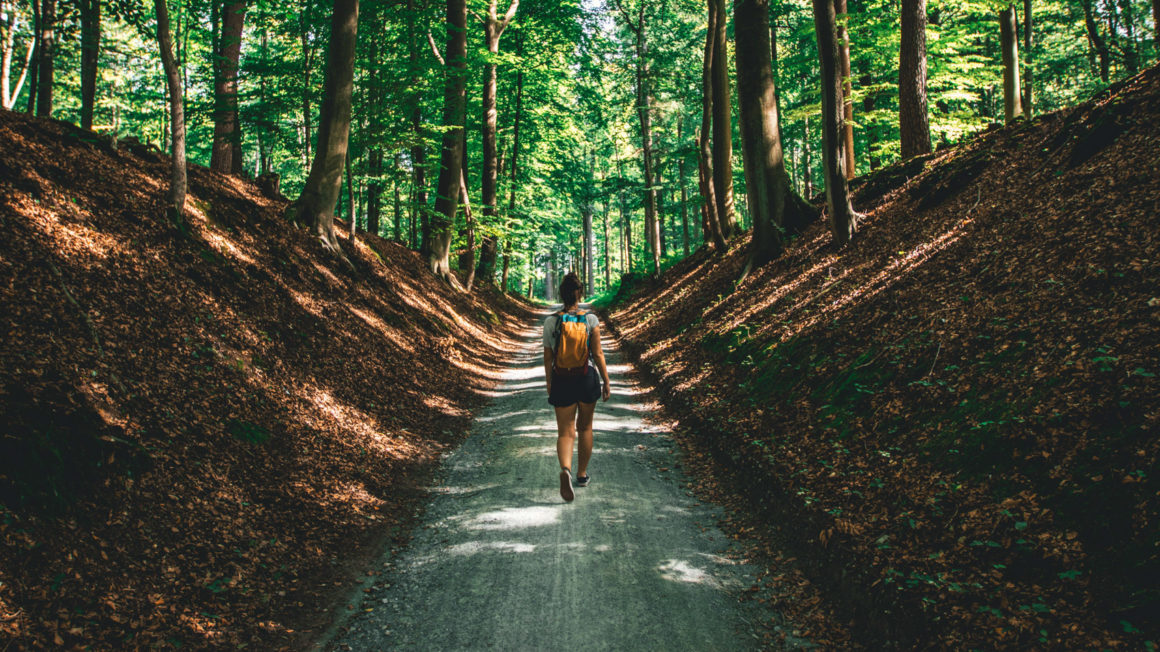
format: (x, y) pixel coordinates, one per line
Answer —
(499, 561)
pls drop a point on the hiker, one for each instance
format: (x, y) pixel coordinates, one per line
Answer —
(571, 345)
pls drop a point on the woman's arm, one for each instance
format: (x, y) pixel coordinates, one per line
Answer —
(598, 353)
(548, 357)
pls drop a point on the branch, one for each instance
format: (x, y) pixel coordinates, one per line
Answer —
(435, 49)
(627, 19)
(507, 18)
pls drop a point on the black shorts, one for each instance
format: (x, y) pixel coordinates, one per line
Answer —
(570, 390)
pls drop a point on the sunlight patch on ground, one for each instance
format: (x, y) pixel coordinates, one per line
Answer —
(474, 547)
(74, 237)
(381, 326)
(226, 247)
(444, 406)
(514, 518)
(676, 570)
(307, 302)
(459, 491)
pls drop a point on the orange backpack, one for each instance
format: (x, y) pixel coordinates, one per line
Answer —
(571, 344)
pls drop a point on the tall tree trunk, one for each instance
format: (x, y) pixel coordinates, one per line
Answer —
(307, 68)
(90, 52)
(710, 225)
(34, 67)
(493, 28)
(847, 85)
(1098, 41)
(842, 218)
(913, 119)
(684, 193)
(1156, 25)
(46, 51)
(374, 191)
(722, 126)
(626, 218)
(398, 221)
(9, 92)
(467, 261)
(324, 184)
(419, 214)
(442, 220)
(507, 257)
(586, 213)
(607, 247)
(227, 141)
(175, 199)
(807, 164)
(644, 113)
(772, 203)
(1028, 42)
(1012, 103)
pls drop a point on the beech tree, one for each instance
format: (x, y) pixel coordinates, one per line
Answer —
(722, 125)
(1009, 42)
(175, 199)
(847, 86)
(842, 216)
(315, 206)
(90, 11)
(710, 226)
(493, 28)
(227, 135)
(913, 120)
(772, 202)
(451, 159)
(9, 92)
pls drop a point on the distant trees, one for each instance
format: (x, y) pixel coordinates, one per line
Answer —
(227, 135)
(10, 24)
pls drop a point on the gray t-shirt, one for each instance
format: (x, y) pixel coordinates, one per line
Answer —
(550, 328)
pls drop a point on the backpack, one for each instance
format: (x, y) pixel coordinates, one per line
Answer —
(572, 344)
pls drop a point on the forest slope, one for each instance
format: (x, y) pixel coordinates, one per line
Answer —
(200, 430)
(956, 416)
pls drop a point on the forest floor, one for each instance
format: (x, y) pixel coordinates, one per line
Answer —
(207, 436)
(501, 562)
(952, 423)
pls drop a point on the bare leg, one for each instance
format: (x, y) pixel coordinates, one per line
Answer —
(566, 435)
(584, 429)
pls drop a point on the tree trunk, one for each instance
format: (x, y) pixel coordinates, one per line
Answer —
(807, 172)
(324, 184)
(175, 199)
(227, 142)
(626, 218)
(868, 105)
(644, 112)
(419, 215)
(1028, 42)
(34, 67)
(722, 126)
(842, 219)
(398, 221)
(507, 256)
(90, 52)
(8, 92)
(1098, 41)
(442, 220)
(494, 27)
(684, 193)
(586, 213)
(307, 68)
(847, 85)
(46, 52)
(772, 204)
(1156, 25)
(467, 261)
(1012, 103)
(374, 191)
(607, 247)
(913, 118)
(710, 225)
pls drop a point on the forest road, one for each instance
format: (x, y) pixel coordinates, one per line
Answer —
(500, 561)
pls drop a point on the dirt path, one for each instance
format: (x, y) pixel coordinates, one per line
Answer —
(499, 560)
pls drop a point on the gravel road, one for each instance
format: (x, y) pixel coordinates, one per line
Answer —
(500, 561)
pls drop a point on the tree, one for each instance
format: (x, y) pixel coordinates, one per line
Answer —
(90, 52)
(46, 57)
(913, 119)
(1028, 41)
(176, 196)
(722, 126)
(710, 225)
(847, 85)
(315, 206)
(1093, 32)
(493, 28)
(451, 159)
(772, 203)
(8, 92)
(842, 217)
(1012, 103)
(227, 135)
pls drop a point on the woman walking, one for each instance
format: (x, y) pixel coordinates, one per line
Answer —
(571, 345)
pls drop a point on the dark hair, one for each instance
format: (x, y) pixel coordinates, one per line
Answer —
(571, 289)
